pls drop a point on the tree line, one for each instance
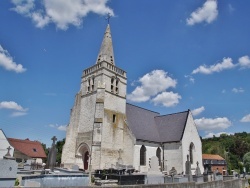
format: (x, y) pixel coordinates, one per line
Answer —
(235, 149)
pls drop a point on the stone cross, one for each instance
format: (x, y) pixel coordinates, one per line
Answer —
(54, 140)
(108, 17)
(8, 153)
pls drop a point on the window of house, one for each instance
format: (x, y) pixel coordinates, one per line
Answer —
(143, 155)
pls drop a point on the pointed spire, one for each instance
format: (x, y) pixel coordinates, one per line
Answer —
(106, 52)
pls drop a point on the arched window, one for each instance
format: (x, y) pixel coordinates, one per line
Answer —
(143, 155)
(114, 85)
(158, 154)
(191, 150)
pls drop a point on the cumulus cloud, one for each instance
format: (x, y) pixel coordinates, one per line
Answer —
(239, 90)
(210, 135)
(197, 111)
(11, 105)
(244, 62)
(245, 119)
(154, 85)
(207, 13)
(167, 99)
(227, 63)
(60, 12)
(8, 63)
(58, 127)
(209, 124)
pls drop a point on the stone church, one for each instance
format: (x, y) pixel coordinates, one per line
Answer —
(105, 131)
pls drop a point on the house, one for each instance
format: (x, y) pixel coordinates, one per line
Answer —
(105, 131)
(4, 144)
(215, 162)
(27, 149)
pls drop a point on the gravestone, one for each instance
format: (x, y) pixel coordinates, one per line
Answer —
(8, 170)
(154, 175)
(51, 162)
(120, 161)
(154, 165)
(173, 171)
(188, 171)
(198, 177)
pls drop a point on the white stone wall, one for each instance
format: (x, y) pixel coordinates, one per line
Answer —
(191, 135)
(173, 157)
(150, 152)
(4, 144)
(68, 153)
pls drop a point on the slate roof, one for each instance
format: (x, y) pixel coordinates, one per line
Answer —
(212, 157)
(32, 149)
(151, 126)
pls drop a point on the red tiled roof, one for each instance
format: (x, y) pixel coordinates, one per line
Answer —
(32, 149)
(212, 157)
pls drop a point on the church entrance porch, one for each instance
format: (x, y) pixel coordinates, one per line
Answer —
(86, 160)
(83, 151)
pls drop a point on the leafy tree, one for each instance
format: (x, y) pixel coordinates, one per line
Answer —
(230, 147)
(246, 161)
(59, 146)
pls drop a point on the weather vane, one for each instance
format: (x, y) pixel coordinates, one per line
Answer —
(108, 17)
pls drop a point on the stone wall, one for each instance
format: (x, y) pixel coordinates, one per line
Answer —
(191, 135)
(237, 183)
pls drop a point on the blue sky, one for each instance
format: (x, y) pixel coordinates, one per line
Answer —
(179, 55)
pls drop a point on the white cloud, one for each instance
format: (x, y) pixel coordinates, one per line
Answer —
(246, 118)
(207, 13)
(7, 62)
(197, 111)
(225, 64)
(223, 91)
(240, 90)
(11, 105)
(210, 135)
(167, 99)
(60, 12)
(244, 62)
(58, 127)
(191, 79)
(209, 124)
(152, 84)
(17, 114)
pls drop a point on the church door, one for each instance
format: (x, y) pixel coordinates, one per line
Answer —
(86, 160)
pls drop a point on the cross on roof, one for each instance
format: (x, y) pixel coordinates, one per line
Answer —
(108, 17)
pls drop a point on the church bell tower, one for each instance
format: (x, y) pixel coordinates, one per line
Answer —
(97, 127)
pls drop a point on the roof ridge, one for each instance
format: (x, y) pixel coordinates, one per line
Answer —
(143, 108)
(173, 113)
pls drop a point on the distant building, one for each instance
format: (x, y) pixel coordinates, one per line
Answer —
(4, 144)
(104, 126)
(215, 162)
(26, 149)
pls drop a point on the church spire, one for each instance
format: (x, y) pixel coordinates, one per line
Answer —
(106, 52)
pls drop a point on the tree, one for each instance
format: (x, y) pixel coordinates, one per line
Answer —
(246, 161)
(59, 146)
